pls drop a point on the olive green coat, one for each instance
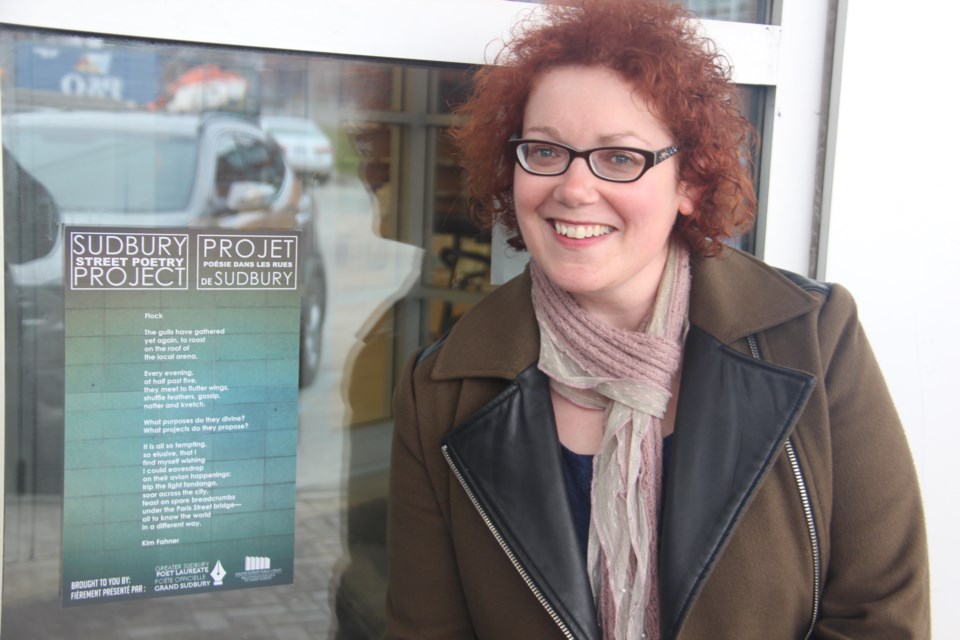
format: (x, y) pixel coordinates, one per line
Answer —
(479, 535)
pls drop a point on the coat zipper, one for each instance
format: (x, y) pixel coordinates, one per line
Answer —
(506, 549)
(807, 511)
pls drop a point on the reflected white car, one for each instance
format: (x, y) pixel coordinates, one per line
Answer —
(308, 149)
(155, 169)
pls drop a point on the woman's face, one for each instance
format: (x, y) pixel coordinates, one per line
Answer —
(586, 107)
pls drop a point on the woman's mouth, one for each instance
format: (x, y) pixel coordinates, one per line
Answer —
(581, 231)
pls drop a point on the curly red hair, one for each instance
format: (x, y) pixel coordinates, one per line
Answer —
(656, 47)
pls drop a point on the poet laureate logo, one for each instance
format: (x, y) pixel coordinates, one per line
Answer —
(217, 574)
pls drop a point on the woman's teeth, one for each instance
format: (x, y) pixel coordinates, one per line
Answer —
(579, 231)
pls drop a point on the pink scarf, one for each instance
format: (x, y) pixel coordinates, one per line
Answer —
(628, 374)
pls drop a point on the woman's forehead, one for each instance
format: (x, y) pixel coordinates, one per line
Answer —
(591, 101)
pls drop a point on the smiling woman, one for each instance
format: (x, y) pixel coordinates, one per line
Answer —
(558, 214)
(659, 410)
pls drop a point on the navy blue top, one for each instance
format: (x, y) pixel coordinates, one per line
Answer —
(578, 474)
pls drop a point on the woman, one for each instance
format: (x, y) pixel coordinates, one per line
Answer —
(646, 435)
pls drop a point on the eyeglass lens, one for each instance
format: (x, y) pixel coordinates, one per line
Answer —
(613, 164)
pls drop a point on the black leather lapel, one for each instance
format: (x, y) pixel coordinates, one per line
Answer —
(734, 414)
(509, 456)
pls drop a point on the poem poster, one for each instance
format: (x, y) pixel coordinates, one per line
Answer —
(182, 355)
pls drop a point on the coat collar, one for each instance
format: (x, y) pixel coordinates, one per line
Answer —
(731, 296)
(734, 414)
(508, 457)
(729, 299)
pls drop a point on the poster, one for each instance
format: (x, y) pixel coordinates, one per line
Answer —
(181, 389)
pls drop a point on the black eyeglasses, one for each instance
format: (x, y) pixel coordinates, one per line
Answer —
(616, 164)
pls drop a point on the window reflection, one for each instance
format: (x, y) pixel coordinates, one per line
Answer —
(460, 256)
(87, 161)
(104, 132)
(355, 155)
(755, 11)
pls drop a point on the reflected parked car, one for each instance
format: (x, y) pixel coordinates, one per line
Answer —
(127, 169)
(163, 169)
(307, 148)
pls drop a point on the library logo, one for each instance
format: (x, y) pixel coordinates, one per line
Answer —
(217, 574)
(257, 569)
(256, 563)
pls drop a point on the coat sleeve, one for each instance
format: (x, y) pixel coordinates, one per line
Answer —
(424, 596)
(875, 582)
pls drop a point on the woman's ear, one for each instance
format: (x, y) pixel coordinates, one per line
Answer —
(687, 200)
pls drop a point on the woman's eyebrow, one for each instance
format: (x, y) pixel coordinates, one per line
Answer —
(618, 139)
(548, 131)
(610, 139)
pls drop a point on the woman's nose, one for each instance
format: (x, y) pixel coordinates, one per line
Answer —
(577, 185)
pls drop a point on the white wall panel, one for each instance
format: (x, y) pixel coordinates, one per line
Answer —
(894, 226)
(790, 164)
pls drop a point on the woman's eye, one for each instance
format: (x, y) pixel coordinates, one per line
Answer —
(544, 152)
(620, 158)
